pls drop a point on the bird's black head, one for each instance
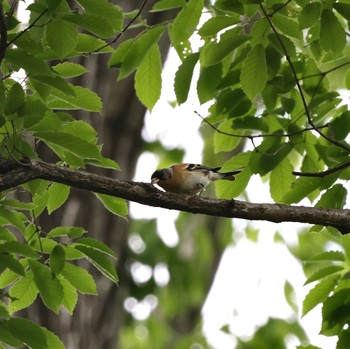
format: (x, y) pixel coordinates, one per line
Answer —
(160, 175)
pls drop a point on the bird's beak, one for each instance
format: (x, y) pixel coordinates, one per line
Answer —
(154, 180)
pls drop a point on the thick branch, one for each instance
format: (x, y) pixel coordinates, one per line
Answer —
(14, 173)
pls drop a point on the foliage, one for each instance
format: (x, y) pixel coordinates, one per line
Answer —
(272, 71)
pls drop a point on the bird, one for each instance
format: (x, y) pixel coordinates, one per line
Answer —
(189, 178)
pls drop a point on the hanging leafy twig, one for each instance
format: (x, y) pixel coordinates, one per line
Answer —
(3, 33)
(297, 82)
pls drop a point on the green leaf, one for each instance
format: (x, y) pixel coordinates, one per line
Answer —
(148, 80)
(301, 188)
(334, 197)
(321, 273)
(30, 63)
(136, 52)
(343, 9)
(105, 10)
(183, 77)
(186, 21)
(100, 261)
(53, 342)
(97, 245)
(332, 34)
(70, 297)
(215, 24)
(69, 70)
(114, 205)
(318, 294)
(82, 98)
(12, 263)
(208, 82)
(286, 25)
(29, 333)
(58, 195)
(309, 15)
(24, 293)
(229, 41)
(330, 256)
(79, 278)
(163, 5)
(281, 179)
(50, 289)
(290, 296)
(56, 82)
(71, 232)
(19, 248)
(87, 43)
(57, 259)
(61, 37)
(15, 99)
(254, 72)
(345, 240)
(341, 125)
(92, 23)
(69, 143)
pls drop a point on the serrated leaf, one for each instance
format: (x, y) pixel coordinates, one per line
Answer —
(309, 15)
(71, 232)
(335, 197)
(286, 25)
(69, 70)
(215, 24)
(319, 274)
(186, 21)
(56, 82)
(148, 80)
(332, 34)
(301, 188)
(106, 10)
(163, 5)
(229, 41)
(30, 63)
(281, 179)
(329, 256)
(114, 205)
(24, 293)
(57, 259)
(137, 51)
(15, 99)
(100, 261)
(79, 278)
(70, 297)
(19, 248)
(345, 241)
(58, 195)
(82, 98)
(50, 289)
(290, 296)
(29, 333)
(208, 82)
(254, 72)
(318, 294)
(61, 37)
(97, 245)
(53, 342)
(12, 263)
(183, 77)
(69, 143)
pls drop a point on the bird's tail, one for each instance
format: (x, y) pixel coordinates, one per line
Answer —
(229, 176)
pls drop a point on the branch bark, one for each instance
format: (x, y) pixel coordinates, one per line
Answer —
(15, 173)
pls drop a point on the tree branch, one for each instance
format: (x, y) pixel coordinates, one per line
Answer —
(13, 174)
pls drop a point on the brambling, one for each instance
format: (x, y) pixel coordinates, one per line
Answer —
(189, 178)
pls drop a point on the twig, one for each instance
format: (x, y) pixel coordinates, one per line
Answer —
(124, 29)
(3, 33)
(282, 135)
(324, 173)
(28, 28)
(297, 82)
